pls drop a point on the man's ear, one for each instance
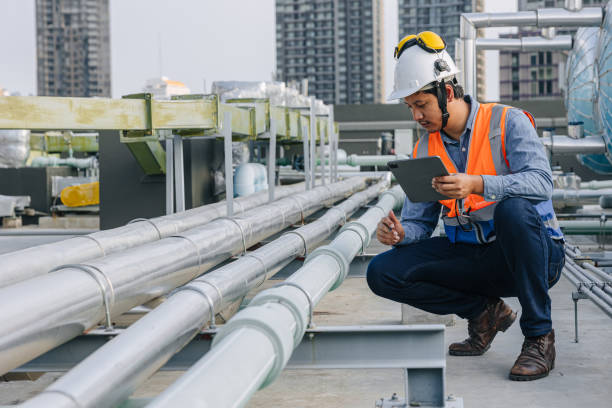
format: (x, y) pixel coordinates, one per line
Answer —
(450, 93)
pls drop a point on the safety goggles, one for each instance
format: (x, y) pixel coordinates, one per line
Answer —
(427, 40)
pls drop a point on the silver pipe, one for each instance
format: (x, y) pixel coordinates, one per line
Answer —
(50, 161)
(281, 314)
(74, 298)
(44, 231)
(144, 347)
(585, 285)
(38, 260)
(587, 291)
(596, 184)
(573, 5)
(567, 145)
(561, 42)
(553, 17)
(594, 284)
(606, 279)
(577, 198)
(372, 160)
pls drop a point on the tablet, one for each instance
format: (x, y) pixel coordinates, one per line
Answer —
(414, 175)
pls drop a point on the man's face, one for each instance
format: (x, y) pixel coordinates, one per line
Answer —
(425, 110)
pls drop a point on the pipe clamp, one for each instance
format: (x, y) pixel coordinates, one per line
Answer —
(148, 221)
(360, 230)
(105, 284)
(235, 221)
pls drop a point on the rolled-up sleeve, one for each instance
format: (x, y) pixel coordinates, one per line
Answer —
(419, 220)
(530, 176)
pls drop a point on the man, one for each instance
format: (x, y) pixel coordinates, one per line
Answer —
(502, 236)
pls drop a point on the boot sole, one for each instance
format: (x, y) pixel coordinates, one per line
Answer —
(503, 326)
(515, 377)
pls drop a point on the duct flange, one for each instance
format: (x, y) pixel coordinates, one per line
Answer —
(338, 257)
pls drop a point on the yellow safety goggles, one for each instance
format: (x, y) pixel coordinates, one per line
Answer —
(427, 40)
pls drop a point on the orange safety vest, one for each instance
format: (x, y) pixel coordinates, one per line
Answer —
(480, 156)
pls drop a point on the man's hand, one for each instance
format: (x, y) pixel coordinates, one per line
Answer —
(458, 185)
(389, 230)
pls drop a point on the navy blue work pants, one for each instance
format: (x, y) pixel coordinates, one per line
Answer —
(440, 277)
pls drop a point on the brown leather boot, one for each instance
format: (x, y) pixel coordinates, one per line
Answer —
(482, 329)
(537, 358)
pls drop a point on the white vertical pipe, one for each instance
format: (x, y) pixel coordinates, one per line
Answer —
(321, 156)
(272, 161)
(313, 142)
(179, 173)
(169, 176)
(330, 143)
(305, 139)
(229, 172)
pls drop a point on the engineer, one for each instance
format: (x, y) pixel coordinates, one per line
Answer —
(502, 236)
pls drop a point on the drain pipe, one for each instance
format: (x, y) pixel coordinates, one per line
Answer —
(273, 324)
(550, 17)
(38, 260)
(44, 312)
(146, 345)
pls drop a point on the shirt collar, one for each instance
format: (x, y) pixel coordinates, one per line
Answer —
(470, 122)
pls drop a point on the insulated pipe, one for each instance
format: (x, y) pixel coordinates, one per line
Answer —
(596, 286)
(372, 160)
(281, 315)
(43, 312)
(146, 345)
(577, 198)
(526, 44)
(38, 260)
(558, 144)
(583, 227)
(553, 17)
(596, 184)
(50, 161)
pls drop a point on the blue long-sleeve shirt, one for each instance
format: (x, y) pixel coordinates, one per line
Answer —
(530, 176)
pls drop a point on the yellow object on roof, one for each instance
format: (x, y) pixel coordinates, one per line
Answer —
(81, 195)
(173, 83)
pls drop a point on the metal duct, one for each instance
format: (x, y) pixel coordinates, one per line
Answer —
(38, 260)
(560, 42)
(41, 313)
(273, 324)
(144, 347)
(567, 145)
(554, 17)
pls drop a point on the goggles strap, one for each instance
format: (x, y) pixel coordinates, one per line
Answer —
(441, 93)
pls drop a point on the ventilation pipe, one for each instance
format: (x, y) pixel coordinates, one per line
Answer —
(553, 17)
(146, 345)
(44, 312)
(273, 324)
(38, 260)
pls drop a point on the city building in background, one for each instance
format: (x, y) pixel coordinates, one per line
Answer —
(73, 48)
(337, 45)
(164, 88)
(441, 17)
(534, 75)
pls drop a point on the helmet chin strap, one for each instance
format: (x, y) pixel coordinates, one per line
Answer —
(441, 93)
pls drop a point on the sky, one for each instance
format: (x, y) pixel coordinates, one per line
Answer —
(201, 41)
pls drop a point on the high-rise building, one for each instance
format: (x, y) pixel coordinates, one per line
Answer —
(443, 18)
(336, 44)
(73, 48)
(534, 75)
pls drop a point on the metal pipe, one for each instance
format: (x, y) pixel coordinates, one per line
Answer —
(38, 260)
(573, 5)
(606, 279)
(144, 347)
(526, 44)
(372, 160)
(582, 227)
(469, 22)
(281, 314)
(41, 313)
(44, 231)
(593, 283)
(558, 144)
(577, 198)
(596, 184)
(601, 299)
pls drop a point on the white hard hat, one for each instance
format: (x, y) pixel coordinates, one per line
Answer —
(416, 67)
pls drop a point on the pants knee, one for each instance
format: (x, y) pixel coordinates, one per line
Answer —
(374, 274)
(511, 210)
